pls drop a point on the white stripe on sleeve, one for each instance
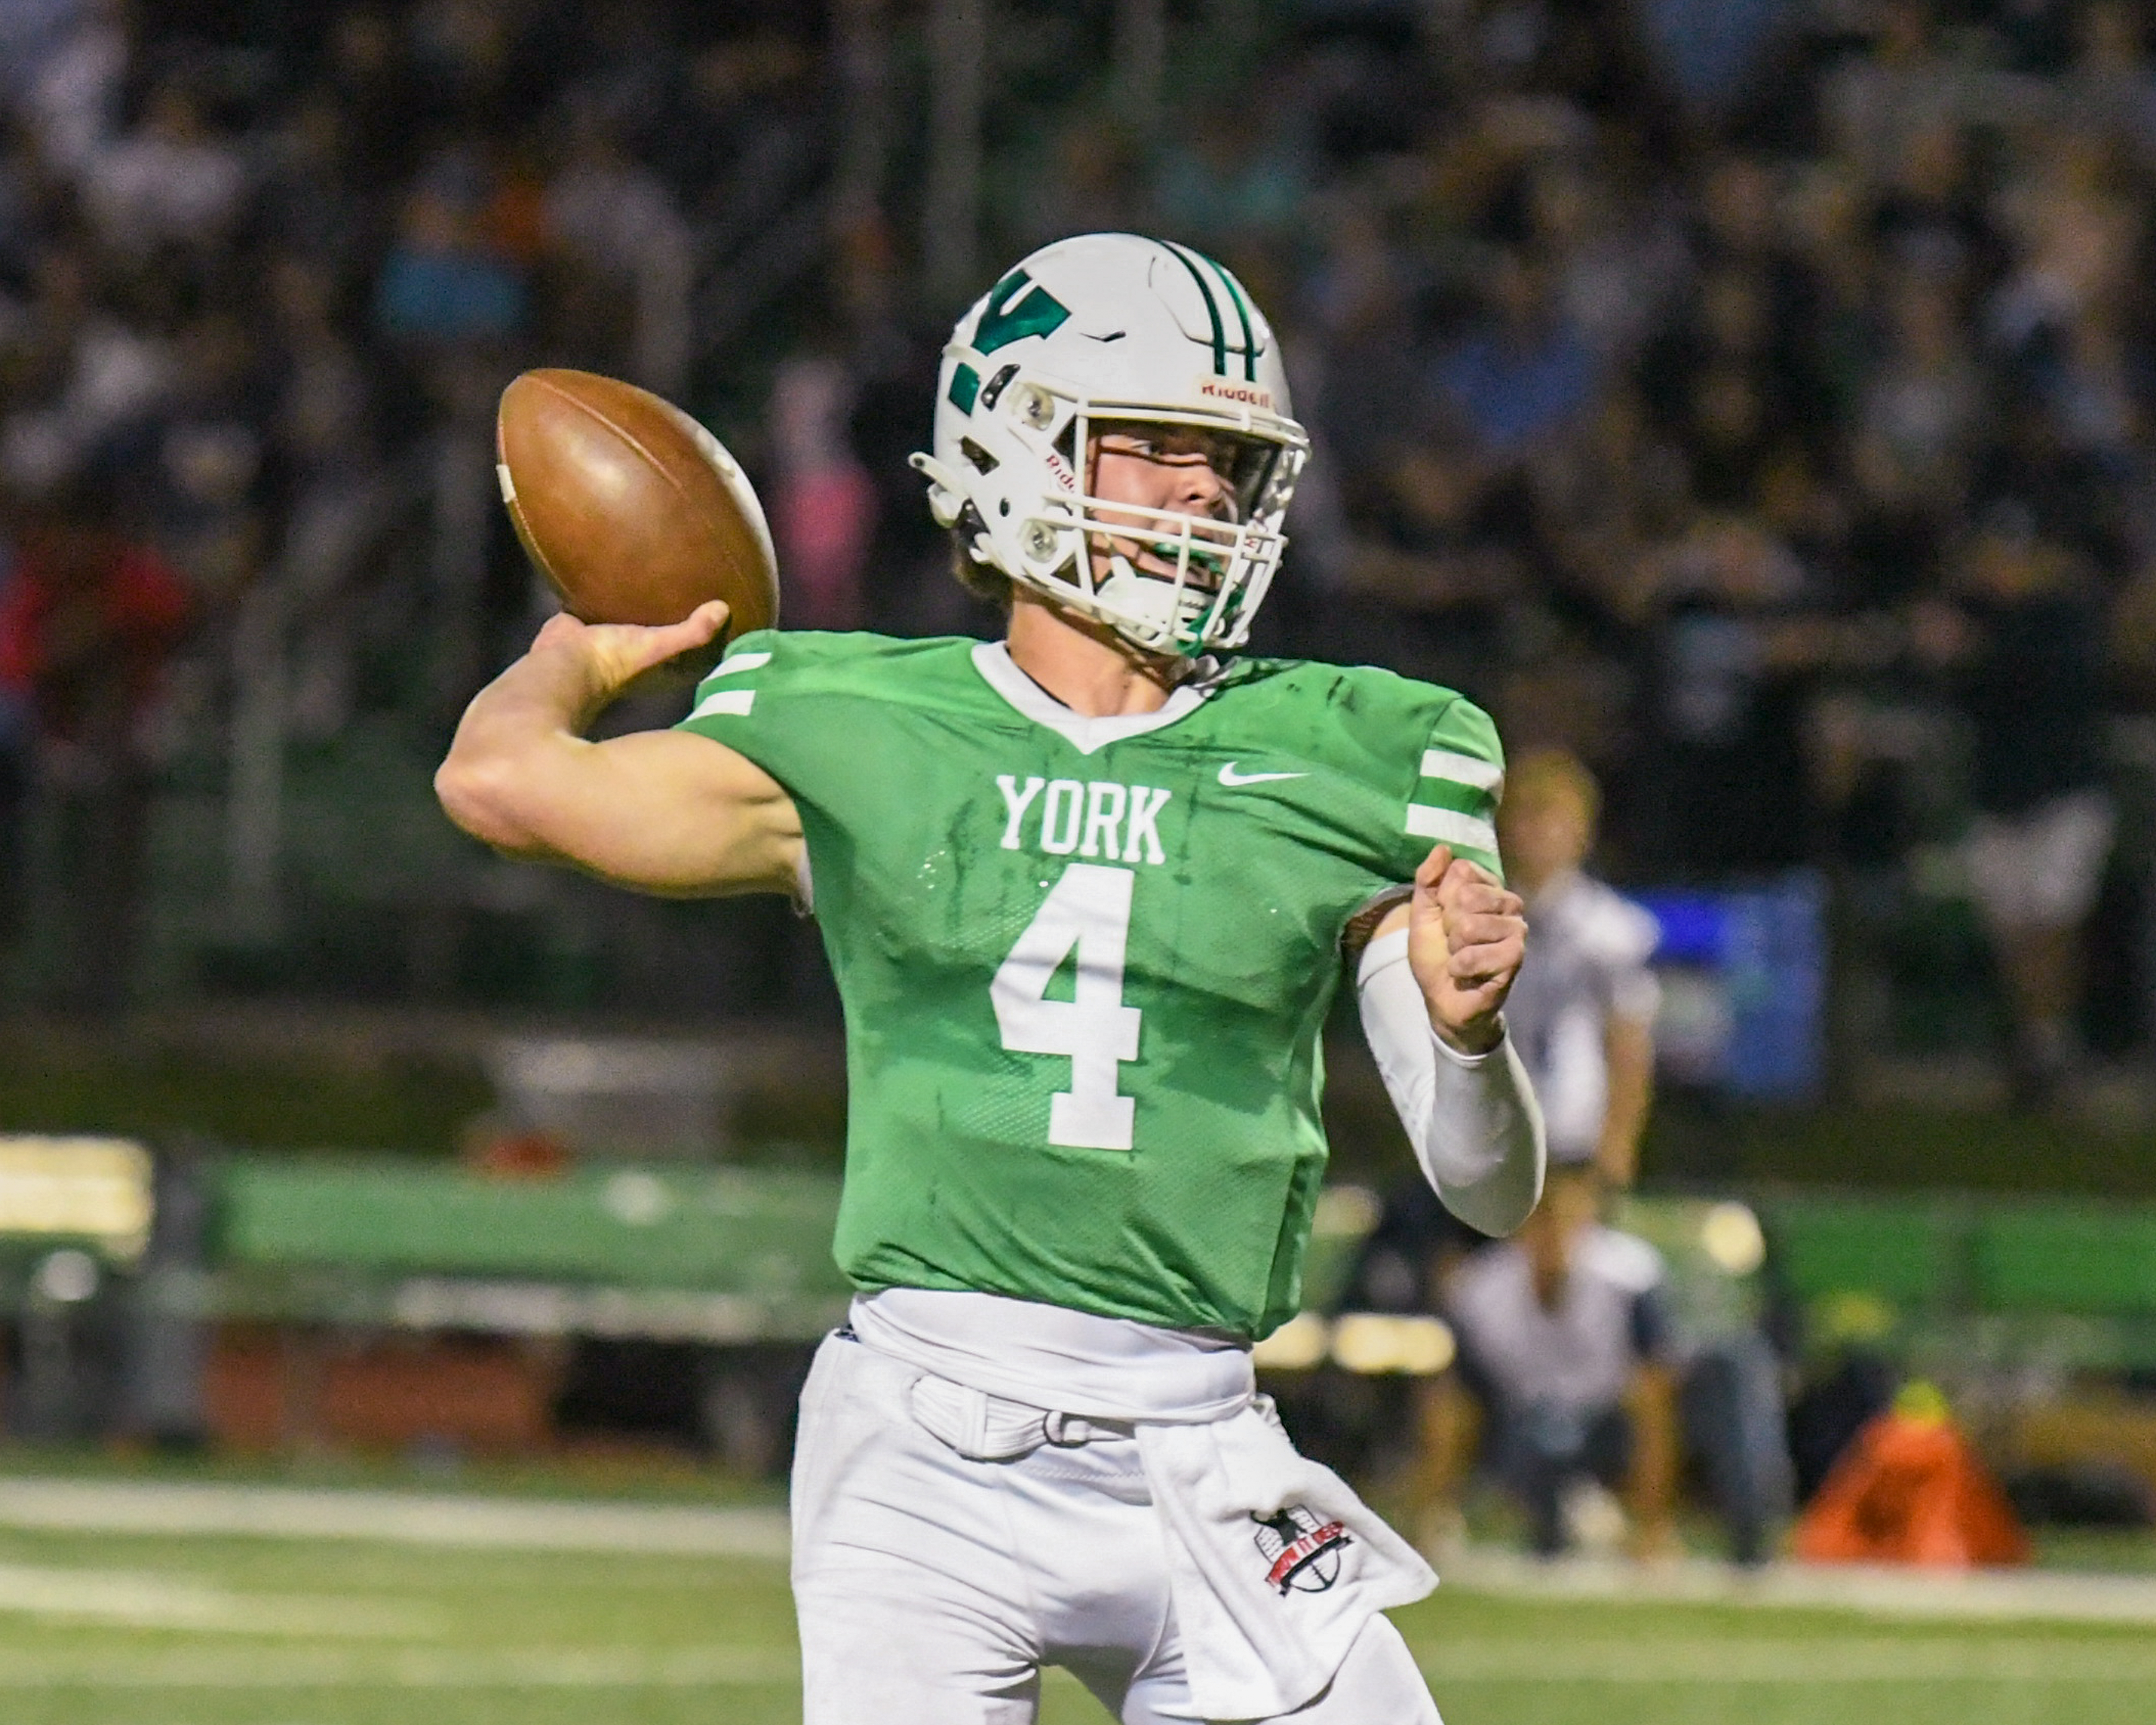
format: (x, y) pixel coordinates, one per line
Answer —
(1450, 827)
(735, 701)
(1462, 769)
(753, 661)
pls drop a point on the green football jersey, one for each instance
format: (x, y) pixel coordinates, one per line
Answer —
(1085, 962)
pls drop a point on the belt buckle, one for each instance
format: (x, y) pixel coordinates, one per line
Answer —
(1067, 1431)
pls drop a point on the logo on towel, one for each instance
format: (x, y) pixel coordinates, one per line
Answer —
(1301, 1553)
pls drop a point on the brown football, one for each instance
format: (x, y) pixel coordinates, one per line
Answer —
(632, 510)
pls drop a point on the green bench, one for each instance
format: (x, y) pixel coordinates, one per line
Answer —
(693, 1254)
(1971, 1281)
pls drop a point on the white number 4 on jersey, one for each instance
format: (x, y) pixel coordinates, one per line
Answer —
(1089, 908)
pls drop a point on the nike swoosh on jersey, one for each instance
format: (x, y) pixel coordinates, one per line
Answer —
(1236, 781)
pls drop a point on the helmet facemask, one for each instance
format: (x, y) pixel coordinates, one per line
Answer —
(1168, 580)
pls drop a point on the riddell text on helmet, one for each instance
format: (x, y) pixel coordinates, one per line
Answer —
(1245, 395)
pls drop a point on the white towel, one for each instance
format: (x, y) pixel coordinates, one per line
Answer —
(1274, 1564)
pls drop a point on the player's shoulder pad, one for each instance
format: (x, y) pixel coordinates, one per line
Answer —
(1431, 752)
(813, 662)
(1373, 708)
(1624, 1259)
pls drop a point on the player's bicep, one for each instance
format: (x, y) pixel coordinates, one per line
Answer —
(667, 812)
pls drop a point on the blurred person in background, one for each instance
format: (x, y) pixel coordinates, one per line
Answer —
(1730, 637)
(1565, 1382)
(2110, 81)
(1584, 1010)
(89, 365)
(1568, 1393)
(86, 628)
(1565, 1348)
(205, 488)
(1917, 422)
(824, 503)
(70, 89)
(1579, 1376)
(170, 181)
(625, 264)
(333, 489)
(455, 273)
(1524, 372)
(2020, 638)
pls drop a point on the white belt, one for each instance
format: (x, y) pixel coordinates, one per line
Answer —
(991, 1427)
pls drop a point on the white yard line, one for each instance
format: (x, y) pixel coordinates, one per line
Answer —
(1825, 1662)
(498, 1523)
(151, 1601)
(1714, 1662)
(711, 1667)
(2035, 1594)
(410, 1517)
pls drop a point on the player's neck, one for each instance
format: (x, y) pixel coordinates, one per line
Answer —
(1086, 665)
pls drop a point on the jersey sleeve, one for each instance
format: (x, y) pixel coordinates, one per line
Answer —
(1453, 797)
(817, 710)
(734, 704)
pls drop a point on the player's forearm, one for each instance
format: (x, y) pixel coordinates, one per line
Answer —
(657, 811)
(1473, 1120)
(1482, 1148)
(520, 735)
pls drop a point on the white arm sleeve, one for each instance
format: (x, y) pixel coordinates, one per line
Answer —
(1476, 1129)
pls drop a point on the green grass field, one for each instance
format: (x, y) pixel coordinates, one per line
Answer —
(104, 1629)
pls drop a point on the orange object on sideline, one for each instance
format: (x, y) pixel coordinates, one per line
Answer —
(1911, 1490)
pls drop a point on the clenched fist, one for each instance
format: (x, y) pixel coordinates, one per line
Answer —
(1466, 935)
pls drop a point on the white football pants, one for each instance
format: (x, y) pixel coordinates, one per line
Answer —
(931, 1589)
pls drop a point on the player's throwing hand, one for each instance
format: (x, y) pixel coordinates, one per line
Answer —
(610, 656)
(1466, 935)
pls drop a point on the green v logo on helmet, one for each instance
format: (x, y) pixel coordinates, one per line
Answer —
(1019, 307)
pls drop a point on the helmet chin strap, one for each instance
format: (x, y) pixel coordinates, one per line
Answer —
(1130, 587)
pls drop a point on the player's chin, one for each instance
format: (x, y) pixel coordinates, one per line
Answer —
(1148, 562)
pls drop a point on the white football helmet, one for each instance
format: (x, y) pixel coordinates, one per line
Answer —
(1111, 331)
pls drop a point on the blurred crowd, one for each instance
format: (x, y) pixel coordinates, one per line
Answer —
(1746, 395)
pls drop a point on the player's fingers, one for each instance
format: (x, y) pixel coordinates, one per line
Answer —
(558, 628)
(1432, 872)
(1464, 873)
(641, 648)
(1488, 962)
(1479, 900)
(698, 626)
(705, 621)
(1464, 883)
(1481, 930)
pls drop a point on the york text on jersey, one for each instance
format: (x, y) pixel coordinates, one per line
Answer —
(1101, 817)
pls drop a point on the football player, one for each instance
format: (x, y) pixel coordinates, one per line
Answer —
(1088, 892)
